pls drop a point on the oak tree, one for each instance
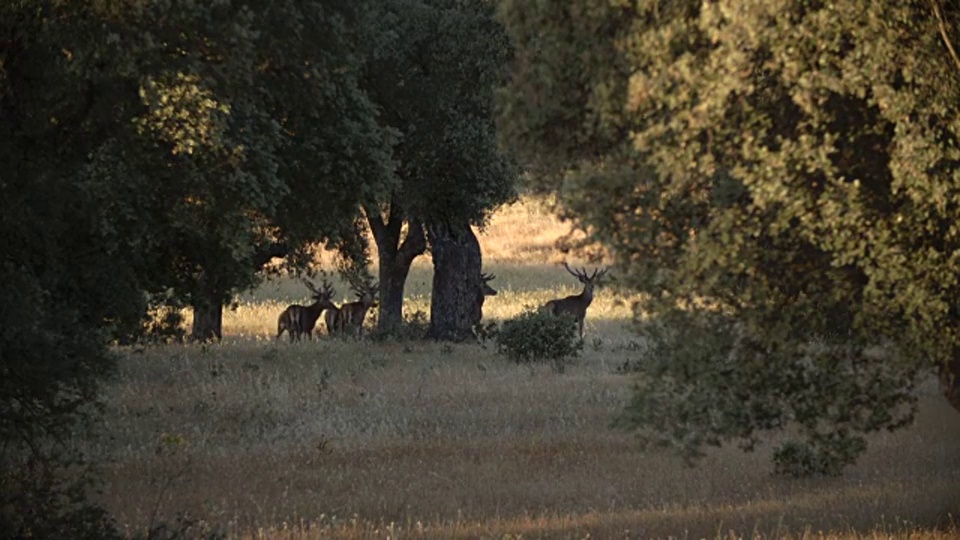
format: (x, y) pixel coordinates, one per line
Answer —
(781, 178)
(433, 78)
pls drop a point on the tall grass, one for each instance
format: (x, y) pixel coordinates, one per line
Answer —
(257, 438)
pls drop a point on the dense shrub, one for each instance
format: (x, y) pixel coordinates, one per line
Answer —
(536, 336)
(840, 391)
(39, 499)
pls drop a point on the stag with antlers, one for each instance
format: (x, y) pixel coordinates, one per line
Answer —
(349, 317)
(483, 291)
(576, 305)
(298, 320)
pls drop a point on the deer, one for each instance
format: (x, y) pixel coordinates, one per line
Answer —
(483, 291)
(331, 317)
(577, 304)
(350, 316)
(298, 320)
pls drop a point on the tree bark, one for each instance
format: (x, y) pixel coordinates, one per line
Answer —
(395, 260)
(950, 381)
(456, 280)
(207, 311)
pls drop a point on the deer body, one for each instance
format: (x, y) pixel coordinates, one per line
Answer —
(332, 317)
(297, 320)
(350, 316)
(576, 305)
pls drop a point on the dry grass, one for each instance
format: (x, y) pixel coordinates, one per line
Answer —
(331, 438)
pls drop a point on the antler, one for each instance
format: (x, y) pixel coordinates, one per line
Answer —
(582, 273)
(487, 277)
(579, 274)
(362, 285)
(328, 289)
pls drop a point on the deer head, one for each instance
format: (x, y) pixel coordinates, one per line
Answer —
(366, 290)
(323, 295)
(588, 281)
(485, 288)
(483, 291)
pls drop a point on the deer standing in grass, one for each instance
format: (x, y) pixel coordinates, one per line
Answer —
(350, 316)
(298, 320)
(483, 291)
(576, 305)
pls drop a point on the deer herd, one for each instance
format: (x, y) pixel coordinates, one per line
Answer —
(347, 319)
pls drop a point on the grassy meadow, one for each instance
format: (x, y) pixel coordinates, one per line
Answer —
(256, 438)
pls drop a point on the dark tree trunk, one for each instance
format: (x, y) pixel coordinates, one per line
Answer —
(395, 261)
(207, 312)
(950, 381)
(456, 280)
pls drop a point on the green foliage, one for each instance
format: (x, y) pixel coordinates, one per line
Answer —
(433, 74)
(538, 336)
(160, 152)
(705, 381)
(203, 139)
(70, 271)
(37, 501)
(789, 164)
(432, 69)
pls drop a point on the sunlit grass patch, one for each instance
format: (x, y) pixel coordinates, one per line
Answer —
(467, 444)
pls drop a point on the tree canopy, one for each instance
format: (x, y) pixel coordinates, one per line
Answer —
(781, 177)
(432, 75)
(156, 152)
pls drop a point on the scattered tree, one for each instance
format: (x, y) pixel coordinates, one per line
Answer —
(433, 78)
(159, 153)
(780, 178)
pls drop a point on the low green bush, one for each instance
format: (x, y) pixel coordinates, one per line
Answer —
(535, 337)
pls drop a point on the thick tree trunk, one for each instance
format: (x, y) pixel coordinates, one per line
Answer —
(456, 263)
(950, 381)
(395, 260)
(207, 312)
(207, 320)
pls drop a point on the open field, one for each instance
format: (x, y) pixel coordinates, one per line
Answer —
(335, 438)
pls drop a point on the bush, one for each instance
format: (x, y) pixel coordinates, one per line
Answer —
(41, 498)
(536, 336)
(708, 379)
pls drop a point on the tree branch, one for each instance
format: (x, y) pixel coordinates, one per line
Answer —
(275, 250)
(377, 226)
(414, 244)
(942, 26)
